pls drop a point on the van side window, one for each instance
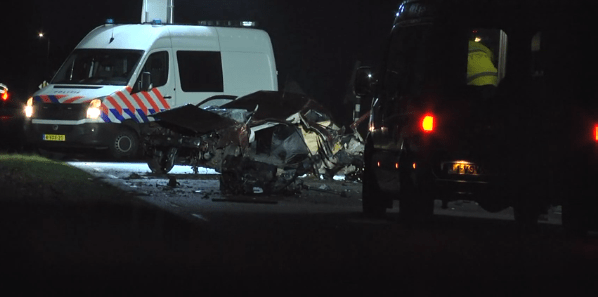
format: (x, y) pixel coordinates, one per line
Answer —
(157, 66)
(200, 71)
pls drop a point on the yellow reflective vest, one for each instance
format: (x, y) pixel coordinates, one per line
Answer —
(480, 69)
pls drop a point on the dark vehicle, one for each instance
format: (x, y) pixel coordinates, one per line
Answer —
(260, 142)
(489, 101)
(11, 120)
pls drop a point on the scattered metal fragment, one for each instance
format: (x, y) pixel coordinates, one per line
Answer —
(134, 176)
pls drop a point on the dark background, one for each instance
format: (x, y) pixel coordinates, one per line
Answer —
(316, 42)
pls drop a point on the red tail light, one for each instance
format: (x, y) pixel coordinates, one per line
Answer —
(596, 132)
(5, 96)
(428, 123)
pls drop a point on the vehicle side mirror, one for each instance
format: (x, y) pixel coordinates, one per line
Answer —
(364, 81)
(146, 82)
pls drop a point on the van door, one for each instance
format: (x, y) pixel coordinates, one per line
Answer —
(161, 95)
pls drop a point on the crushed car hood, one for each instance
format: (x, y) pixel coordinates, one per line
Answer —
(274, 105)
(193, 119)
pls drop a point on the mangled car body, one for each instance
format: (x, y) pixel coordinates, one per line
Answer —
(260, 142)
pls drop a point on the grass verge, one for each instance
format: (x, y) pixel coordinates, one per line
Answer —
(33, 177)
(65, 226)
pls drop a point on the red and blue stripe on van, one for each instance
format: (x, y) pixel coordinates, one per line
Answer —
(119, 106)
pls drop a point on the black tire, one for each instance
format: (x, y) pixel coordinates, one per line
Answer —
(230, 181)
(492, 206)
(161, 163)
(373, 199)
(228, 185)
(580, 207)
(527, 211)
(125, 144)
(575, 219)
(416, 203)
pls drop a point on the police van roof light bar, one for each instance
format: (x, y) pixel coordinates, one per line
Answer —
(220, 23)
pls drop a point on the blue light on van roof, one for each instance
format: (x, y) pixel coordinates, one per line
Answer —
(157, 22)
(109, 21)
(401, 9)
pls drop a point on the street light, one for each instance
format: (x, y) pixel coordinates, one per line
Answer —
(41, 36)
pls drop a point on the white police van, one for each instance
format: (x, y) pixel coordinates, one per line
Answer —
(104, 94)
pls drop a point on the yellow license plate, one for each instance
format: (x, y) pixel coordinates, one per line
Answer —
(54, 137)
(464, 168)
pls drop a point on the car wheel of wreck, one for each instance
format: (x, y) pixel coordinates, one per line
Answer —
(229, 180)
(372, 196)
(161, 163)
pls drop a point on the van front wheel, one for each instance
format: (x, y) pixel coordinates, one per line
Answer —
(124, 145)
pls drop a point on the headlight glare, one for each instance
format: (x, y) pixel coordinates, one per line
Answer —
(94, 111)
(29, 108)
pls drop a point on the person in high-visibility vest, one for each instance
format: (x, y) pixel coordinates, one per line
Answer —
(480, 68)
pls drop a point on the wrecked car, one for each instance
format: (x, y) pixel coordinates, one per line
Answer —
(260, 143)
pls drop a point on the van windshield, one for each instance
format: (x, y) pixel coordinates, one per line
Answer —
(98, 67)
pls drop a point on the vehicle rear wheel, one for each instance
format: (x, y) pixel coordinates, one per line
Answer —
(493, 205)
(416, 203)
(578, 210)
(575, 219)
(371, 194)
(372, 197)
(125, 144)
(526, 212)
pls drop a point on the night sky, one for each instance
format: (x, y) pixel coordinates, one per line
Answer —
(316, 42)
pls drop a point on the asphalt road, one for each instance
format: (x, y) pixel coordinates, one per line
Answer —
(191, 239)
(192, 196)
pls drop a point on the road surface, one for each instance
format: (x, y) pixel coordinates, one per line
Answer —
(192, 240)
(198, 195)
